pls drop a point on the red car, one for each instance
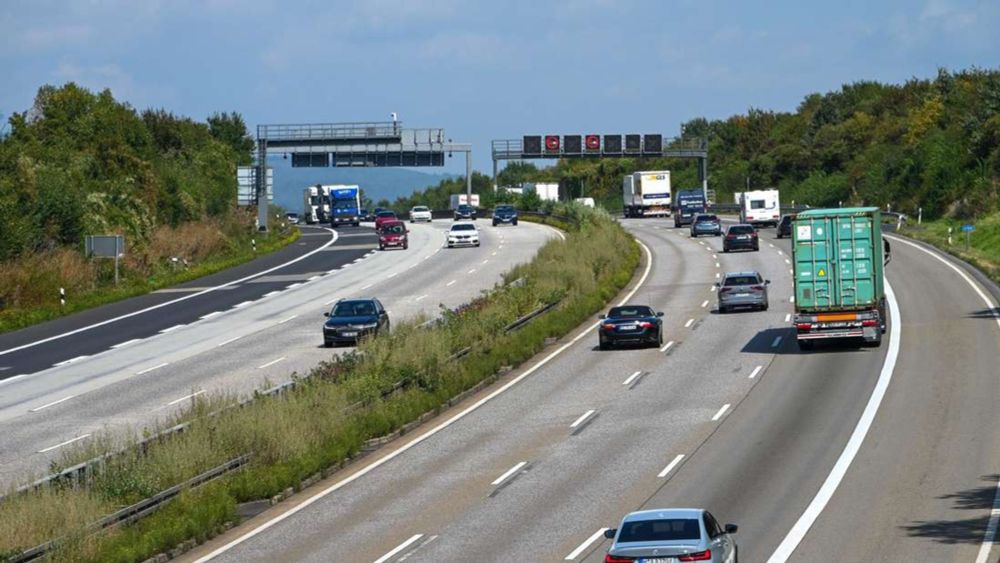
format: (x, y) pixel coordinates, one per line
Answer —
(393, 234)
(383, 217)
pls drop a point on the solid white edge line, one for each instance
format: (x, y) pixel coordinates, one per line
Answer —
(271, 363)
(171, 329)
(127, 342)
(69, 361)
(166, 303)
(268, 294)
(66, 443)
(755, 371)
(670, 466)
(839, 470)
(586, 543)
(244, 303)
(583, 417)
(52, 404)
(721, 412)
(420, 439)
(631, 378)
(313, 278)
(147, 370)
(667, 346)
(508, 473)
(990, 537)
(399, 548)
(185, 397)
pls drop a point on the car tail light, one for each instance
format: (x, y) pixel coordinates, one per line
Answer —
(617, 559)
(700, 556)
(869, 322)
(725, 289)
(804, 326)
(608, 326)
(646, 324)
(754, 234)
(757, 287)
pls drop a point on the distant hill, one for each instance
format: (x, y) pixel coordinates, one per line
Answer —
(378, 183)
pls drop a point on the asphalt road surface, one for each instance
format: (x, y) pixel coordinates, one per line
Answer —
(729, 415)
(139, 370)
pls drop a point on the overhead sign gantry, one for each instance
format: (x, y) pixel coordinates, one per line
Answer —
(358, 144)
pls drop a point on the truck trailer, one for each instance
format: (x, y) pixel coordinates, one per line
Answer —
(838, 258)
(646, 194)
(316, 204)
(463, 199)
(687, 204)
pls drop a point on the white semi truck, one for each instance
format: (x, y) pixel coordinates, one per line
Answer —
(760, 207)
(647, 193)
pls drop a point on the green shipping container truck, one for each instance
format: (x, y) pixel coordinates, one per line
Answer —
(838, 257)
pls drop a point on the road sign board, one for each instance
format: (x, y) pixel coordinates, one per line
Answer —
(967, 228)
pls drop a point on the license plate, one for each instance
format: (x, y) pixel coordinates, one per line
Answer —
(659, 560)
(743, 237)
(627, 327)
(349, 334)
(740, 294)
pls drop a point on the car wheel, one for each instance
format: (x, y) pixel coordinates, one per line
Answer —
(764, 307)
(756, 248)
(604, 345)
(381, 247)
(477, 245)
(328, 344)
(514, 223)
(659, 338)
(723, 309)
(694, 235)
(494, 223)
(406, 246)
(451, 245)
(725, 249)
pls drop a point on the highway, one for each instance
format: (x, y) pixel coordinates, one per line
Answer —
(264, 326)
(840, 454)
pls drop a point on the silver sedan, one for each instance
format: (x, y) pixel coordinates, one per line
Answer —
(671, 535)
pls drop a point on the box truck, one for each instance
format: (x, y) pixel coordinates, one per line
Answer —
(316, 204)
(687, 204)
(838, 257)
(460, 199)
(646, 194)
(345, 205)
(547, 191)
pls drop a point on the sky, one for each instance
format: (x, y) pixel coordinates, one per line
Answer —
(482, 70)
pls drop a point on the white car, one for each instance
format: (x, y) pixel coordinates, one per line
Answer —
(463, 234)
(420, 213)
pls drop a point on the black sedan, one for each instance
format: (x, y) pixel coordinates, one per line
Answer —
(630, 324)
(741, 236)
(351, 320)
(505, 214)
(465, 211)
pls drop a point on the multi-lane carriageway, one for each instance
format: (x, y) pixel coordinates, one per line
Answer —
(842, 454)
(133, 363)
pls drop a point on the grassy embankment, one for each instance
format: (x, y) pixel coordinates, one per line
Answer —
(290, 444)
(984, 242)
(29, 285)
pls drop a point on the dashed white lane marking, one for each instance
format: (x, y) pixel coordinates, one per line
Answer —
(294, 285)
(156, 367)
(631, 378)
(721, 412)
(791, 541)
(364, 287)
(716, 256)
(771, 245)
(392, 275)
(422, 297)
(586, 543)
(313, 278)
(670, 466)
(215, 314)
(485, 261)
(472, 271)
(717, 275)
(451, 283)
(271, 363)
(395, 551)
(792, 272)
(667, 346)
(52, 404)
(777, 341)
(494, 253)
(582, 418)
(791, 299)
(712, 289)
(788, 317)
(787, 261)
(717, 265)
(286, 319)
(185, 397)
(70, 361)
(704, 303)
(689, 323)
(508, 473)
(66, 443)
(755, 371)
(418, 548)
(243, 304)
(171, 329)
(231, 340)
(780, 253)
(127, 342)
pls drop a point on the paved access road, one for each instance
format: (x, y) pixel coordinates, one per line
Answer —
(234, 346)
(729, 415)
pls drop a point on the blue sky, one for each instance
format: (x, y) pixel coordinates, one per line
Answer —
(482, 70)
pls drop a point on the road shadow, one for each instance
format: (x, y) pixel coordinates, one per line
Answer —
(763, 343)
(989, 314)
(962, 531)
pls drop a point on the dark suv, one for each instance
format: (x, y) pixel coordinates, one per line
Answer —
(785, 226)
(741, 236)
(353, 319)
(465, 211)
(505, 214)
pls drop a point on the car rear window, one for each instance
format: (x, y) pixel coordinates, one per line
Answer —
(660, 530)
(353, 309)
(741, 229)
(386, 214)
(637, 311)
(707, 218)
(394, 228)
(420, 208)
(741, 280)
(463, 227)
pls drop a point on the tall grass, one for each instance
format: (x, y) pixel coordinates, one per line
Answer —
(29, 285)
(984, 242)
(345, 402)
